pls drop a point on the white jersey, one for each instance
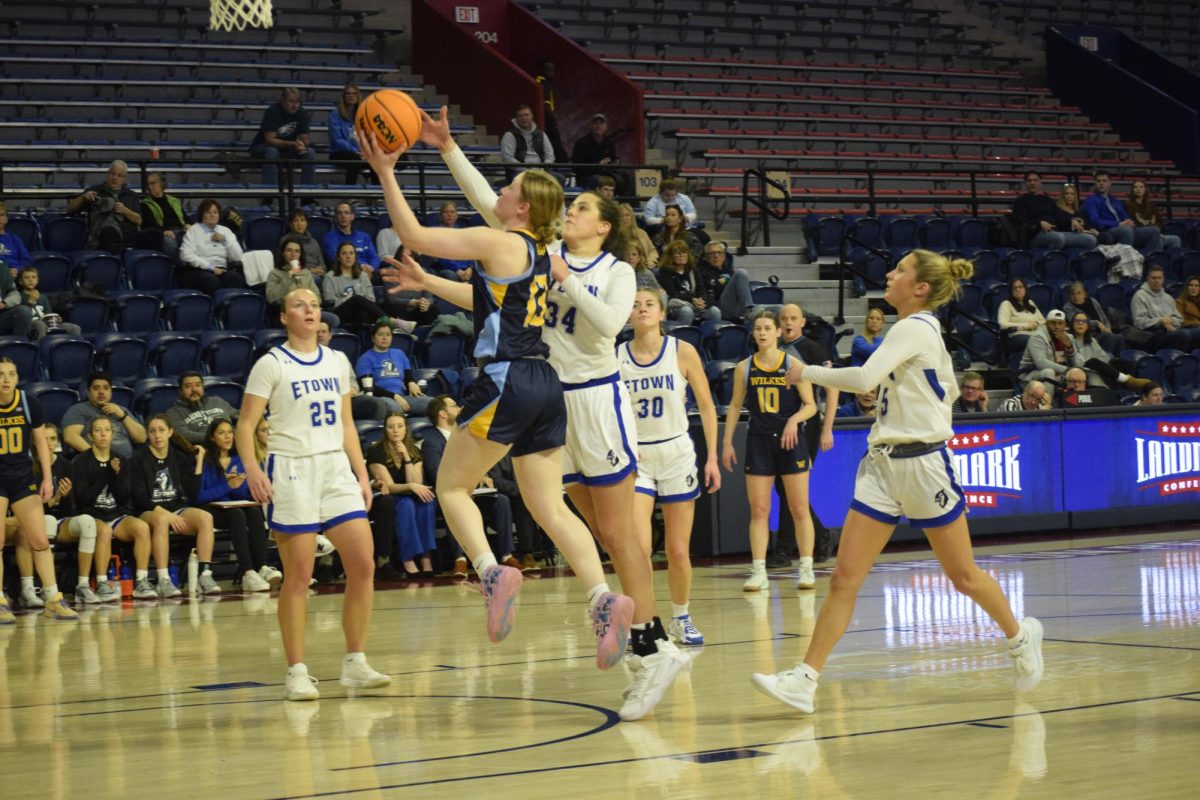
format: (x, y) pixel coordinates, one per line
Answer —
(304, 399)
(584, 316)
(916, 383)
(658, 391)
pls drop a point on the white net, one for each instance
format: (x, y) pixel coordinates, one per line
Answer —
(228, 15)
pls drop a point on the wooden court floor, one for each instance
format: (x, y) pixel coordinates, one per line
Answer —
(181, 700)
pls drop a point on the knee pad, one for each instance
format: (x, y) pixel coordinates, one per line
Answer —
(51, 528)
(85, 528)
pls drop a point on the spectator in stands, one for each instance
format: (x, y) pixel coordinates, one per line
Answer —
(390, 373)
(113, 216)
(726, 289)
(606, 187)
(1080, 303)
(289, 272)
(210, 256)
(1043, 224)
(1018, 316)
(42, 319)
(164, 482)
(1188, 302)
(861, 405)
(13, 253)
(163, 214)
(194, 412)
(1049, 351)
(596, 147)
(450, 269)
(283, 134)
(630, 228)
(1033, 398)
(415, 306)
(675, 229)
(550, 110)
(398, 472)
(127, 431)
(1154, 311)
(1146, 214)
(1152, 395)
(524, 143)
(343, 138)
(972, 396)
(527, 537)
(348, 291)
(1112, 372)
(362, 406)
(223, 479)
(681, 281)
(643, 265)
(668, 195)
(1075, 381)
(494, 506)
(314, 259)
(1107, 214)
(343, 231)
(869, 340)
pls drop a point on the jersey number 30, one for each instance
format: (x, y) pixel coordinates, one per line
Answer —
(650, 407)
(323, 413)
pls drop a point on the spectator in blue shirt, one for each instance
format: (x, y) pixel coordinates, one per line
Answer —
(861, 405)
(343, 139)
(386, 372)
(668, 195)
(870, 339)
(1107, 214)
(12, 250)
(343, 231)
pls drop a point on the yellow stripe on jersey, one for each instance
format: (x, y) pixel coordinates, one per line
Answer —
(481, 424)
(775, 368)
(499, 290)
(13, 405)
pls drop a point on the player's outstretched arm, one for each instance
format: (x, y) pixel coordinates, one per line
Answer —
(436, 133)
(407, 275)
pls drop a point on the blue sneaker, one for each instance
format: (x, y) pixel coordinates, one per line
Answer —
(682, 630)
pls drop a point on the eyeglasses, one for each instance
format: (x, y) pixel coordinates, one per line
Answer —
(972, 388)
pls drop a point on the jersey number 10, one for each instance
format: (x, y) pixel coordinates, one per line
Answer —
(768, 399)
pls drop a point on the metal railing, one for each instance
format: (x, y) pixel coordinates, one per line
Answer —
(763, 202)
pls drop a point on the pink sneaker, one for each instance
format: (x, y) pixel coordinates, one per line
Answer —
(611, 618)
(499, 586)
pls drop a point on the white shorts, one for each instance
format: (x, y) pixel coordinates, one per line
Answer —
(667, 470)
(311, 494)
(923, 488)
(600, 433)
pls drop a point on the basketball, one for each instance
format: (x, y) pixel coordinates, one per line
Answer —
(392, 116)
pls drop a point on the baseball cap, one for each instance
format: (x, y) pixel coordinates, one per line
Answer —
(1056, 315)
(597, 116)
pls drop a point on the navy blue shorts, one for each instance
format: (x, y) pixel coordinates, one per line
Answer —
(518, 403)
(765, 456)
(18, 487)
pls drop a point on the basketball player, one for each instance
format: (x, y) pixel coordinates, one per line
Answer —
(589, 302)
(20, 427)
(657, 371)
(775, 447)
(312, 465)
(906, 472)
(516, 402)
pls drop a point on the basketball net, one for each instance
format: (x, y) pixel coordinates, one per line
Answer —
(228, 15)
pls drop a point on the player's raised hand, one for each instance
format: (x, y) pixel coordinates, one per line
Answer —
(436, 132)
(383, 163)
(558, 268)
(405, 275)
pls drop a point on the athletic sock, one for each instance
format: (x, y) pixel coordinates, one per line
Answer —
(26, 583)
(142, 574)
(83, 581)
(758, 565)
(356, 658)
(164, 574)
(595, 593)
(1017, 640)
(205, 566)
(50, 592)
(809, 672)
(483, 562)
(806, 561)
(679, 611)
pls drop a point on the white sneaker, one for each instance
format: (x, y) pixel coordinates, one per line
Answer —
(166, 589)
(805, 579)
(681, 630)
(271, 575)
(253, 582)
(31, 597)
(791, 687)
(208, 584)
(300, 685)
(757, 582)
(108, 592)
(650, 682)
(324, 546)
(359, 675)
(1027, 656)
(144, 590)
(85, 596)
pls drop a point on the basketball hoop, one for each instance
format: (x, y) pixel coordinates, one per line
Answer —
(227, 15)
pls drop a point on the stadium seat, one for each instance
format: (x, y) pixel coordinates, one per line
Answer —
(443, 350)
(98, 268)
(122, 356)
(240, 310)
(767, 296)
(349, 344)
(727, 342)
(1054, 266)
(227, 390)
(227, 355)
(25, 228)
(54, 397)
(1093, 266)
(89, 313)
(370, 431)
(692, 335)
(137, 312)
(987, 266)
(902, 236)
(1183, 373)
(65, 234)
(66, 359)
(24, 355)
(187, 310)
(149, 271)
(1041, 295)
(1019, 264)
(972, 236)
(172, 354)
(720, 380)
(367, 225)
(938, 234)
(154, 395)
(122, 395)
(263, 233)
(54, 272)
(267, 338)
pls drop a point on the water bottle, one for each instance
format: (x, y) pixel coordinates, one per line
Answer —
(114, 568)
(193, 572)
(173, 572)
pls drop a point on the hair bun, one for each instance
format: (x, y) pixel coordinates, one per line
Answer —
(962, 269)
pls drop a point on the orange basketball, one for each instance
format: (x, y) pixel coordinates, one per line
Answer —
(392, 116)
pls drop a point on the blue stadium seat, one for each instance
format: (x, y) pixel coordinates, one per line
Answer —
(1093, 266)
(263, 233)
(902, 236)
(25, 228)
(420, 427)
(720, 380)
(1054, 266)
(65, 234)
(89, 313)
(370, 431)
(187, 310)
(268, 337)
(318, 227)
(240, 309)
(122, 395)
(367, 225)
(54, 397)
(443, 350)
(349, 344)
(149, 271)
(830, 232)
(1183, 373)
(137, 312)
(122, 356)
(692, 335)
(767, 296)
(24, 355)
(938, 234)
(66, 359)
(1019, 264)
(1041, 295)
(727, 342)
(96, 267)
(228, 355)
(227, 390)
(987, 266)
(154, 395)
(172, 354)
(1152, 368)
(971, 300)
(466, 379)
(54, 272)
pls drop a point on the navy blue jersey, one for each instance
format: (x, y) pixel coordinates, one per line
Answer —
(769, 399)
(17, 422)
(509, 311)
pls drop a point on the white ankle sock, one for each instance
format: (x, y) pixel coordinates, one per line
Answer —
(679, 611)
(483, 562)
(809, 672)
(26, 583)
(164, 574)
(1017, 640)
(758, 565)
(595, 593)
(356, 658)
(50, 592)
(81, 582)
(142, 574)
(298, 668)
(806, 561)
